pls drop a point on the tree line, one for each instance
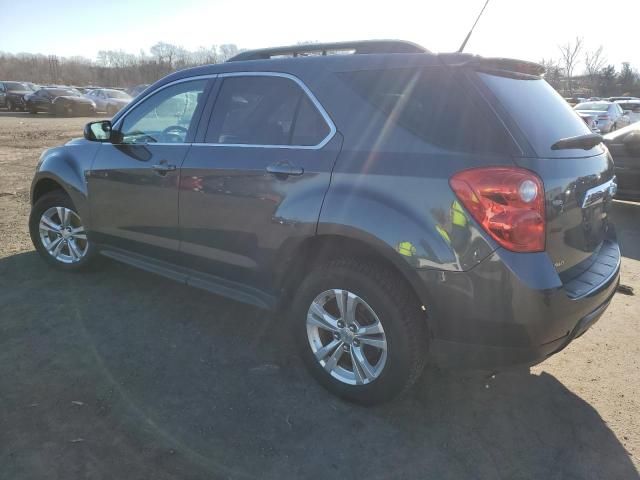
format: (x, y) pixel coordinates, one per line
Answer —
(597, 78)
(114, 68)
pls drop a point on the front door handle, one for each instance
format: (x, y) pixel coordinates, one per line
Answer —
(284, 169)
(163, 167)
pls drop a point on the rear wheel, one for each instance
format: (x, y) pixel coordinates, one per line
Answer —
(359, 331)
(58, 232)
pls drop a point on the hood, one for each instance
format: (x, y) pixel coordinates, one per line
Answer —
(78, 141)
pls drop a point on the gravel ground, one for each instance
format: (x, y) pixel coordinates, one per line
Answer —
(122, 374)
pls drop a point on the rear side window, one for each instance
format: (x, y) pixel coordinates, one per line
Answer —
(265, 110)
(433, 105)
(542, 115)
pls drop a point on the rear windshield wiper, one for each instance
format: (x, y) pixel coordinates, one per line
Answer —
(585, 142)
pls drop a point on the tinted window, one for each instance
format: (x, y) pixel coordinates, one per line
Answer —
(598, 107)
(164, 117)
(264, 110)
(432, 105)
(60, 92)
(540, 112)
(310, 128)
(15, 86)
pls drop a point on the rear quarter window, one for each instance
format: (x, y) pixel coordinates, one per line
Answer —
(434, 104)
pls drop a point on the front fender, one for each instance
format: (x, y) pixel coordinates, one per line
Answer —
(67, 166)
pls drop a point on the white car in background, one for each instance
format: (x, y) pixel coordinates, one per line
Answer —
(610, 116)
(631, 108)
(109, 100)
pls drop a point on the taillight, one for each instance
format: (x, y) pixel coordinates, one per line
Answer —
(508, 202)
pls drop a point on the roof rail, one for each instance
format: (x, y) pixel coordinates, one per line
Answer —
(358, 47)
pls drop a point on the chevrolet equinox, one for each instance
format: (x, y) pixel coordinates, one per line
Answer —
(400, 206)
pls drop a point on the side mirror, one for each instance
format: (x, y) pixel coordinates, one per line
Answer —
(98, 131)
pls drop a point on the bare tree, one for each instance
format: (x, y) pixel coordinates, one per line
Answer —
(594, 61)
(552, 72)
(570, 53)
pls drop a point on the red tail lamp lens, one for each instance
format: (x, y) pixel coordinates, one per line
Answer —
(508, 203)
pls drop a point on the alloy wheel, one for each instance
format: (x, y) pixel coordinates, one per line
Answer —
(63, 235)
(346, 337)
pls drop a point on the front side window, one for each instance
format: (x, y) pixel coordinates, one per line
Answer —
(265, 110)
(165, 117)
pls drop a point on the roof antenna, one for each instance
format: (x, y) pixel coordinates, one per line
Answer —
(464, 44)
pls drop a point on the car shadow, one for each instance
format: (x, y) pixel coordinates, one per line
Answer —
(626, 217)
(122, 374)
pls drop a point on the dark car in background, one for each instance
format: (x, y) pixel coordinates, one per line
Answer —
(59, 101)
(12, 95)
(391, 204)
(624, 145)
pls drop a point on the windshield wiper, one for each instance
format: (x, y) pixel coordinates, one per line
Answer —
(585, 142)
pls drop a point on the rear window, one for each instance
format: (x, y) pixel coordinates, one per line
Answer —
(597, 107)
(539, 111)
(433, 105)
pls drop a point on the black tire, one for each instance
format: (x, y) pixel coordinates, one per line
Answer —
(57, 198)
(399, 313)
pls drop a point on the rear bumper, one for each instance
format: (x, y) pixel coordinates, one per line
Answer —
(512, 309)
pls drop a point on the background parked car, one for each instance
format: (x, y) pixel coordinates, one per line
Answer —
(109, 100)
(631, 108)
(610, 115)
(591, 119)
(12, 95)
(59, 101)
(137, 90)
(624, 146)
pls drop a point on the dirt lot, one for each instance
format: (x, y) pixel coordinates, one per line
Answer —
(120, 374)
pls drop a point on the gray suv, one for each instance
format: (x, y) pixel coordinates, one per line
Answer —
(395, 206)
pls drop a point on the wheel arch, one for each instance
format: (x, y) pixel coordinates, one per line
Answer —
(320, 249)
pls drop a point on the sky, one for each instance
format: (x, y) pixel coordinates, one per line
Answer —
(525, 29)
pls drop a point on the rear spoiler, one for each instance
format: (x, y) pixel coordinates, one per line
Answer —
(511, 65)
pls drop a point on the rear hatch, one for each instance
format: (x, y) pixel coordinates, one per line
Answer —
(578, 176)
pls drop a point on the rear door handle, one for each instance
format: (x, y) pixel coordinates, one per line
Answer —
(162, 168)
(284, 169)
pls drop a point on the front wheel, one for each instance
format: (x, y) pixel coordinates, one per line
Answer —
(359, 331)
(58, 232)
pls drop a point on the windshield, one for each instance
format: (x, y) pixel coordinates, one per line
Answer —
(542, 115)
(629, 105)
(117, 94)
(15, 86)
(62, 92)
(598, 107)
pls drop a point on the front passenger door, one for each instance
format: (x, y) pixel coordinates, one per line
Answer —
(133, 183)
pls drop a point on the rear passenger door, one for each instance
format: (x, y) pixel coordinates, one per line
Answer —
(253, 185)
